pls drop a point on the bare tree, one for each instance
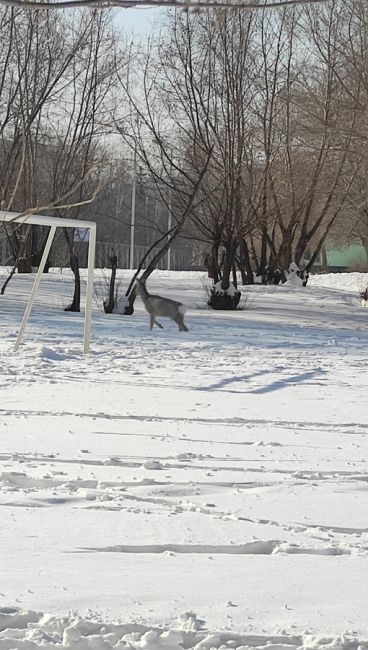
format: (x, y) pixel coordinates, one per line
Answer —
(155, 132)
(308, 133)
(264, 89)
(206, 67)
(53, 158)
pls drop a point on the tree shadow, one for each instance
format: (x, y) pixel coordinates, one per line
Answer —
(293, 379)
(230, 380)
(275, 385)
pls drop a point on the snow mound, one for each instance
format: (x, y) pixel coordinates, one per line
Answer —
(29, 630)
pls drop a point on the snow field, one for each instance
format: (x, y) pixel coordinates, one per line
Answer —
(197, 490)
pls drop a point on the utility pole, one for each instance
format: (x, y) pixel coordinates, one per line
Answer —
(169, 228)
(132, 217)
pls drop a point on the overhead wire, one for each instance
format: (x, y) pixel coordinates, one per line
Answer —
(179, 4)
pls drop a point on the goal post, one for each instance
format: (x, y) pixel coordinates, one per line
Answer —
(53, 223)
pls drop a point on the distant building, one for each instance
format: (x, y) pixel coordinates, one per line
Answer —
(337, 260)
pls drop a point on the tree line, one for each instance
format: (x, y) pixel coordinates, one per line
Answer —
(248, 125)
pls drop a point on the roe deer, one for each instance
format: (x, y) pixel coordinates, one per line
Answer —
(159, 306)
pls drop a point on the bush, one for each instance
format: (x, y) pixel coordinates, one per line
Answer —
(221, 299)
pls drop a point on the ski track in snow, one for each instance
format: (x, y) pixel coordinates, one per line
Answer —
(240, 446)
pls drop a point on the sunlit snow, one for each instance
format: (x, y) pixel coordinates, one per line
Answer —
(202, 490)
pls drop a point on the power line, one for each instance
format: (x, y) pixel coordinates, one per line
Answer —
(180, 4)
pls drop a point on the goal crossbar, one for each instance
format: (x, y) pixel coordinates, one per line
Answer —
(53, 223)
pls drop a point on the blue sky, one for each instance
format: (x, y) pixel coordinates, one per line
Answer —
(139, 22)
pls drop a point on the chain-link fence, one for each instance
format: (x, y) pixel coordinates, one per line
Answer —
(180, 259)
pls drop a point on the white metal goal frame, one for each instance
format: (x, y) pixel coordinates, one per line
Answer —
(53, 223)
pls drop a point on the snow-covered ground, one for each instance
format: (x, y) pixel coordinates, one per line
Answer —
(206, 489)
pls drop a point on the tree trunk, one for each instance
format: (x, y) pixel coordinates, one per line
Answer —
(235, 279)
(74, 265)
(211, 263)
(263, 257)
(241, 268)
(245, 265)
(230, 254)
(221, 297)
(110, 302)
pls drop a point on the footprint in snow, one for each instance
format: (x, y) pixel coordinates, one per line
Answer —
(153, 464)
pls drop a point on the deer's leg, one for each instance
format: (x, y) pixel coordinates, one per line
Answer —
(179, 320)
(152, 320)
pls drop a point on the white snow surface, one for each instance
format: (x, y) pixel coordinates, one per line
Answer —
(175, 490)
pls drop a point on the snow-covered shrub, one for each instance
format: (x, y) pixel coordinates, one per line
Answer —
(227, 299)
